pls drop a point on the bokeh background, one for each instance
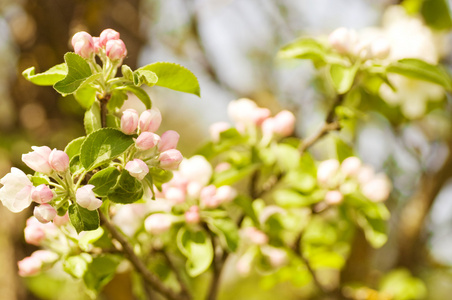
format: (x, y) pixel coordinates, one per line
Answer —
(231, 46)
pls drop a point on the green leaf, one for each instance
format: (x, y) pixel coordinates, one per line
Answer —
(92, 119)
(117, 99)
(128, 189)
(75, 165)
(246, 204)
(159, 176)
(140, 93)
(436, 14)
(227, 231)
(374, 230)
(175, 77)
(102, 146)
(73, 148)
(304, 48)
(89, 238)
(83, 219)
(291, 198)
(113, 121)
(49, 77)
(288, 157)
(100, 271)
(419, 69)
(127, 72)
(401, 285)
(300, 181)
(197, 247)
(78, 72)
(104, 181)
(77, 265)
(343, 150)
(85, 95)
(342, 77)
(144, 77)
(232, 175)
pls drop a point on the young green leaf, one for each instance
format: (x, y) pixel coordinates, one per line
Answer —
(100, 271)
(104, 181)
(77, 265)
(89, 238)
(102, 146)
(127, 72)
(49, 77)
(83, 219)
(73, 148)
(78, 72)
(342, 77)
(144, 77)
(85, 95)
(227, 231)
(419, 69)
(117, 99)
(304, 48)
(175, 77)
(128, 189)
(92, 119)
(139, 92)
(197, 247)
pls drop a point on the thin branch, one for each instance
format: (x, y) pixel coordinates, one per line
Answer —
(183, 286)
(150, 278)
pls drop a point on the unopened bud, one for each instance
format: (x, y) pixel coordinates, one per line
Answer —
(327, 170)
(380, 48)
(192, 215)
(129, 121)
(284, 123)
(255, 236)
(44, 213)
(351, 166)
(175, 195)
(147, 140)
(158, 223)
(333, 197)
(115, 49)
(86, 198)
(137, 168)
(83, 44)
(59, 161)
(170, 159)
(29, 266)
(38, 159)
(42, 194)
(225, 193)
(343, 40)
(108, 35)
(169, 140)
(377, 189)
(216, 128)
(150, 120)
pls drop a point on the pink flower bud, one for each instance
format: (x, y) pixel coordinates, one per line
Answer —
(147, 140)
(59, 161)
(269, 127)
(38, 159)
(245, 112)
(175, 195)
(61, 220)
(83, 44)
(42, 194)
(85, 197)
(365, 174)
(194, 189)
(108, 35)
(97, 45)
(29, 266)
(327, 170)
(256, 236)
(158, 223)
(351, 166)
(170, 159)
(192, 215)
(137, 168)
(225, 193)
(45, 256)
(216, 128)
(334, 197)
(343, 40)
(377, 189)
(115, 49)
(284, 123)
(35, 232)
(150, 120)
(208, 197)
(168, 140)
(129, 121)
(44, 213)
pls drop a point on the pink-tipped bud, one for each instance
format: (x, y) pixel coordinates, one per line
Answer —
(351, 166)
(38, 160)
(115, 49)
(255, 236)
(59, 161)
(284, 123)
(175, 195)
(147, 140)
(327, 170)
(97, 45)
(83, 44)
(334, 197)
(158, 223)
(170, 159)
(44, 213)
(343, 40)
(225, 193)
(150, 120)
(168, 140)
(42, 194)
(86, 198)
(192, 215)
(108, 35)
(29, 266)
(137, 168)
(129, 121)
(216, 128)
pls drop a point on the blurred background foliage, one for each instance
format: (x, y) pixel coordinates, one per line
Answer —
(231, 46)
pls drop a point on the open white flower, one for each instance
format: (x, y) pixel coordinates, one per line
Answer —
(16, 191)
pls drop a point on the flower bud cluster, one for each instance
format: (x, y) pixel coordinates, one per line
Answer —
(344, 178)
(153, 150)
(107, 44)
(347, 42)
(246, 114)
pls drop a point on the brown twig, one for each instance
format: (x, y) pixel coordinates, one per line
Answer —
(139, 266)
